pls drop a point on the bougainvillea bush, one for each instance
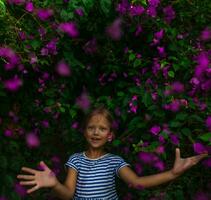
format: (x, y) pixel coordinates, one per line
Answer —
(148, 62)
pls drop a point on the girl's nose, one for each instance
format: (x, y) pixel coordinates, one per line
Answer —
(96, 131)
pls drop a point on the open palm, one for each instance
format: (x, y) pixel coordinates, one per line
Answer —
(182, 164)
(38, 179)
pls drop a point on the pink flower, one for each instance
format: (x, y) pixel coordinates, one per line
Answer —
(155, 130)
(174, 139)
(114, 30)
(63, 69)
(136, 10)
(208, 122)
(199, 148)
(206, 34)
(44, 14)
(177, 87)
(70, 28)
(20, 190)
(169, 13)
(79, 11)
(13, 84)
(75, 125)
(29, 6)
(91, 46)
(32, 140)
(8, 133)
(207, 162)
(83, 101)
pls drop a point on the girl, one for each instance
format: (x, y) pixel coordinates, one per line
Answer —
(91, 174)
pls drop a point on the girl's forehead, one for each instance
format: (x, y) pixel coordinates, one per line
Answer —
(99, 119)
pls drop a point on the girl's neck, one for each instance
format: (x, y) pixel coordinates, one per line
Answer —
(94, 153)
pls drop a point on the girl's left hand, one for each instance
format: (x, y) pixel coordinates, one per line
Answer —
(182, 164)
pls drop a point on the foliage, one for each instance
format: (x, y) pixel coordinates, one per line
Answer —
(147, 61)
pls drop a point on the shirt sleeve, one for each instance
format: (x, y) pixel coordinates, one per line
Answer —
(72, 162)
(120, 163)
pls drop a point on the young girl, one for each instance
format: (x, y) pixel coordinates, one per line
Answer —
(91, 174)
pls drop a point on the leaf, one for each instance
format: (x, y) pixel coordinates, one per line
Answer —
(132, 56)
(137, 63)
(175, 124)
(186, 131)
(147, 99)
(181, 116)
(105, 6)
(206, 137)
(35, 44)
(116, 142)
(171, 74)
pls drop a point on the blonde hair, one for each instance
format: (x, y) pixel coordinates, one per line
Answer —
(100, 110)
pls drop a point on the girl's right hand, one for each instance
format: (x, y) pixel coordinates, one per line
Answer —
(38, 179)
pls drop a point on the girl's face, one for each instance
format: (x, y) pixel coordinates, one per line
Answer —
(97, 131)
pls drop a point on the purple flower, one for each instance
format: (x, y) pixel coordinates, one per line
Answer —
(44, 14)
(154, 3)
(70, 28)
(174, 139)
(159, 35)
(123, 7)
(22, 35)
(13, 84)
(83, 101)
(155, 129)
(63, 69)
(207, 162)
(3, 198)
(20, 190)
(138, 168)
(17, 2)
(8, 133)
(91, 46)
(114, 30)
(33, 58)
(177, 87)
(151, 11)
(75, 125)
(10, 55)
(42, 32)
(208, 122)
(159, 165)
(169, 13)
(199, 148)
(146, 157)
(29, 6)
(79, 11)
(32, 140)
(136, 10)
(206, 34)
(161, 51)
(174, 105)
(45, 123)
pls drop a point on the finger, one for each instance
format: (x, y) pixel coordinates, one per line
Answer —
(29, 170)
(43, 165)
(27, 183)
(33, 189)
(177, 152)
(198, 157)
(25, 177)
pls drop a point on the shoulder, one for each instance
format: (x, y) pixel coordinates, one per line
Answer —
(73, 161)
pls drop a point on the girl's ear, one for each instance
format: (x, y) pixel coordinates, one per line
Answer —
(110, 136)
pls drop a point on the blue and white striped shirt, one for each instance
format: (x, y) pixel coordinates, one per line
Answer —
(96, 177)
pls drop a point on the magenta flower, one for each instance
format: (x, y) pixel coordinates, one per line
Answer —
(83, 101)
(208, 122)
(11, 57)
(91, 46)
(22, 35)
(155, 130)
(154, 3)
(199, 148)
(29, 6)
(45, 123)
(206, 34)
(207, 162)
(63, 69)
(177, 87)
(3, 198)
(136, 10)
(159, 165)
(123, 7)
(44, 14)
(114, 30)
(13, 84)
(201, 196)
(159, 35)
(70, 28)
(174, 106)
(146, 157)
(79, 11)
(151, 11)
(20, 190)
(174, 139)
(32, 140)
(138, 168)
(75, 125)
(16, 2)
(161, 51)
(169, 13)
(8, 133)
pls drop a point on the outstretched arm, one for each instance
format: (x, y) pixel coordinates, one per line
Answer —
(180, 166)
(47, 179)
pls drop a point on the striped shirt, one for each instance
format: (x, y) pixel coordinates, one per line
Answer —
(96, 177)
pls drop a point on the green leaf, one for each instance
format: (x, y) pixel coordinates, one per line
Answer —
(137, 63)
(206, 137)
(105, 6)
(175, 124)
(62, 109)
(147, 99)
(186, 131)
(171, 74)
(181, 116)
(3, 162)
(116, 142)
(132, 56)
(35, 44)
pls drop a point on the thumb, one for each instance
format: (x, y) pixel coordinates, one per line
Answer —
(177, 154)
(43, 165)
